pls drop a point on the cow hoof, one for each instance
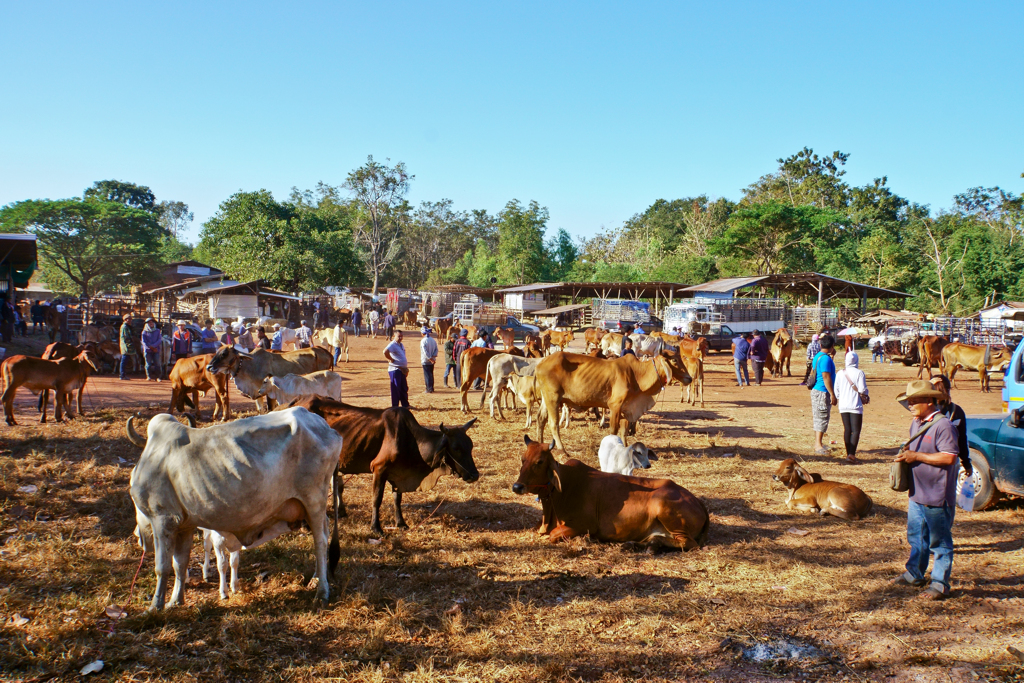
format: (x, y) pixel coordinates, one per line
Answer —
(402, 525)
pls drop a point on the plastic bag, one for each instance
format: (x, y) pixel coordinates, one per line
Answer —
(965, 496)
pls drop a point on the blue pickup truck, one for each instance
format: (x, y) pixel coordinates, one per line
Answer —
(997, 442)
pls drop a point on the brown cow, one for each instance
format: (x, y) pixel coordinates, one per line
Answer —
(984, 359)
(557, 338)
(533, 349)
(473, 365)
(392, 446)
(344, 316)
(93, 333)
(929, 352)
(507, 336)
(579, 500)
(580, 381)
(810, 492)
(780, 353)
(190, 375)
(53, 320)
(410, 318)
(696, 348)
(60, 376)
(105, 351)
(672, 339)
(695, 368)
(441, 327)
(593, 336)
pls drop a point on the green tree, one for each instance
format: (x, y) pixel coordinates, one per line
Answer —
(175, 218)
(560, 257)
(379, 191)
(292, 246)
(520, 257)
(129, 194)
(775, 237)
(804, 178)
(85, 244)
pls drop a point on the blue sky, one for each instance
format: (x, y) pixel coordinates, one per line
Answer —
(593, 109)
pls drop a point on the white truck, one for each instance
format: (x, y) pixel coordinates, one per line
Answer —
(738, 314)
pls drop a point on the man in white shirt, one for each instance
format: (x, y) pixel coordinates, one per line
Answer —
(479, 343)
(398, 368)
(304, 336)
(428, 357)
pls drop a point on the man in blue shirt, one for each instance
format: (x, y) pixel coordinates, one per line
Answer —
(823, 393)
(277, 343)
(758, 356)
(740, 353)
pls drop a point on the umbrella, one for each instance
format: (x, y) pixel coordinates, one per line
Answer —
(850, 332)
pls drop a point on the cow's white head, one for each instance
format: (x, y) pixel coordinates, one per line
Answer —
(267, 386)
(641, 456)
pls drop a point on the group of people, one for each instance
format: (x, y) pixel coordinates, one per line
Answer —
(752, 347)
(454, 346)
(13, 321)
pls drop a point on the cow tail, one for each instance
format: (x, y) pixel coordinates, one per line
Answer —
(334, 549)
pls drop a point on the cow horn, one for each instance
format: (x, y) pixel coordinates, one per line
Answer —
(133, 435)
(468, 424)
(191, 419)
(527, 440)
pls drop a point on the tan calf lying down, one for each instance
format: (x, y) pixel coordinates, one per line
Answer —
(810, 492)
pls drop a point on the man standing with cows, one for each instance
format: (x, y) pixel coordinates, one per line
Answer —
(357, 319)
(428, 357)
(152, 339)
(181, 342)
(209, 337)
(127, 347)
(932, 456)
(398, 369)
(303, 336)
(461, 346)
(758, 355)
(277, 343)
(450, 366)
(740, 353)
(812, 350)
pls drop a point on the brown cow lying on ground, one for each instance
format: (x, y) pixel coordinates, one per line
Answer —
(60, 376)
(810, 492)
(191, 375)
(984, 359)
(579, 500)
(394, 447)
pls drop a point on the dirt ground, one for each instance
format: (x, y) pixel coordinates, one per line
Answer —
(471, 593)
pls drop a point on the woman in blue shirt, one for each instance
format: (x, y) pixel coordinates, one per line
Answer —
(823, 393)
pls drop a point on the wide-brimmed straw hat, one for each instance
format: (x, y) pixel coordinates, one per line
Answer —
(918, 388)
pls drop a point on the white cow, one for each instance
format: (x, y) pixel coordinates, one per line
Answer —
(499, 369)
(286, 389)
(255, 478)
(328, 339)
(619, 458)
(644, 345)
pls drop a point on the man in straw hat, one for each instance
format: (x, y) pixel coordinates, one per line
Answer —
(932, 456)
(127, 345)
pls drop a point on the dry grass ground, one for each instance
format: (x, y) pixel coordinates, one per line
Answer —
(471, 593)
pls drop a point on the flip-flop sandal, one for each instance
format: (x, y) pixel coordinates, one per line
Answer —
(821, 451)
(852, 459)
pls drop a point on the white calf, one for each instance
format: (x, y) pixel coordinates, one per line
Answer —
(286, 389)
(618, 458)
(222, 545)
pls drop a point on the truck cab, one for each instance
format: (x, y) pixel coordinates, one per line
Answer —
(997, 442)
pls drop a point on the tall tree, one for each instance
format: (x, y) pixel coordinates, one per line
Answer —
(175, 217)
(560, 258)
(129, 194)
(521, 242)
(295, 247)
(997, 208)
(804, 178)
(84, 245)
(379, 191)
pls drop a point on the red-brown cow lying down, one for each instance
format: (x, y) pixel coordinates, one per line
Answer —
(808, 491)
(579, 499)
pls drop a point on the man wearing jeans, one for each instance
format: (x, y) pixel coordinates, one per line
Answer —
(398, 369)
(933, 465)
(740, 352)
(758, 356)
(428, 356)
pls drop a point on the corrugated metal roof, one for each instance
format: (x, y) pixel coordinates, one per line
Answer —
(727, 284)
(558, 309)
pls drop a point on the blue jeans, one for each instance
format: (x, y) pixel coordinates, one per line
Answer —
(454, 370)
(399, 389)
(337, 354)
(355, 328)
(152, 364)
(929, 531)
(125, 359)
(741, 365)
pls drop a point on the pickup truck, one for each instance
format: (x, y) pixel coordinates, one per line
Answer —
(997, 442)
(519, 329)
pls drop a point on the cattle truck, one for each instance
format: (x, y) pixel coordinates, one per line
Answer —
(615, 314)
(488, 317)
(738, 314)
